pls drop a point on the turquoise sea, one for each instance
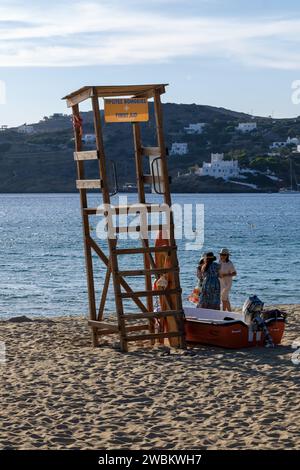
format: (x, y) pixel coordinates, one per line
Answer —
(42, 269)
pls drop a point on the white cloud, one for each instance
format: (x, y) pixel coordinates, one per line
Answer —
(91, 33)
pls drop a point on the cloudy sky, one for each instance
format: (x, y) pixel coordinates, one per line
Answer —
(235, 53)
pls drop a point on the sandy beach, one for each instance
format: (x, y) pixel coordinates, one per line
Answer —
(57, 392)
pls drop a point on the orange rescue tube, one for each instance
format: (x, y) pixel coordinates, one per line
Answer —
(163, 260)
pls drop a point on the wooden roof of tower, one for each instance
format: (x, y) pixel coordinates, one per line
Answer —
(136, 91)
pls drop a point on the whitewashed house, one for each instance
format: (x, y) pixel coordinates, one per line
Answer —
(179, 148)
(289, 141)
(89, 138)
(195, 128)
(25, 129)
(292, 141)
(246, 126)
(278, 145)
(219, 168)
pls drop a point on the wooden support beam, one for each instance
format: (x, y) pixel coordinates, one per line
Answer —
(104, 328)
(104, 293)
(85, 226)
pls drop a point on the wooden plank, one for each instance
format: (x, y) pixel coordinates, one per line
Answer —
(103, 325)
(150, 93)
(142, 327)
(151, 151)
(139, 228)
(143, 272)
(89, 184)
(79, 97)
(102, 91)
(150, 249)
(172, 334)
(167, 313)
(86, 155)
(104, 293)
(127, 90)
(91, 211)
(149, 179)
(114, 330)
(146, 293)
(125, 209)
(105, 332)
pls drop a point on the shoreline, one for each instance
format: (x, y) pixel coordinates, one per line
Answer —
(60, 393)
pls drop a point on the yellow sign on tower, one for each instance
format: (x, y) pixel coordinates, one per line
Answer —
(126, 110)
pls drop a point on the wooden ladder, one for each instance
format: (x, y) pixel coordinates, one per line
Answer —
(130, 325)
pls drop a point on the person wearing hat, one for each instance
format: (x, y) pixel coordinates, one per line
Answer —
(208, 273)
(227, 272)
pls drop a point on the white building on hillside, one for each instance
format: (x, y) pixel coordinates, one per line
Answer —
(246, 126)
(220, 168)
(292, 141)
(278, 145)
(179, 148)
(195, 128)
(89, 138)
(25, 129)
(289, 141)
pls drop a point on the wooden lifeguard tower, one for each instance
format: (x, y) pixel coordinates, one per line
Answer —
(130, 326)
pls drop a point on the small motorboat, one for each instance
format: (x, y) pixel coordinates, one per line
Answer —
(229, 329)
(254, 327)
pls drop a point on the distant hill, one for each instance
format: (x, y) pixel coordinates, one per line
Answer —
(43, 161)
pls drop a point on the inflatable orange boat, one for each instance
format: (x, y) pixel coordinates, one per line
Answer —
(229, 330)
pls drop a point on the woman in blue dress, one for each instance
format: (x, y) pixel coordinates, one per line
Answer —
(208, 274)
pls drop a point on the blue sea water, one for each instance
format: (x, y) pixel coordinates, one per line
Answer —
(42, 271)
